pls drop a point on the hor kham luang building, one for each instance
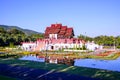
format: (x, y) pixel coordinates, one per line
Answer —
(57, 31)
(57, 37)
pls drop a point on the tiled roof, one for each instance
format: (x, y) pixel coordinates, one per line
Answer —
(56, 31)
(62, 31)
(64, 28)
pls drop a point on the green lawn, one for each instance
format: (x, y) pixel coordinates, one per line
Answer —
(89, 72)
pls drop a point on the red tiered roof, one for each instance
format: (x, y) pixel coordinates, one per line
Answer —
(69, 29)
(62, 31)
(56, 31)
(64, 28)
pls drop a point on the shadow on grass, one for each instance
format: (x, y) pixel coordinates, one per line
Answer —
(31, 67)
(6, 78)
(94, 73)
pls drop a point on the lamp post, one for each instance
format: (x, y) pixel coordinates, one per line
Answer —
(85, 42)
(46, 58)
(46, 55)
(85, 36)
(46, 52)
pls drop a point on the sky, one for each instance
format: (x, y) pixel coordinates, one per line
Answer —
(88, 17)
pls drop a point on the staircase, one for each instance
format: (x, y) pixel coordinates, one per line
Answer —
(40, 46)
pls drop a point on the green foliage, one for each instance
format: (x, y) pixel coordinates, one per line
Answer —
(6, 55)
(15, 31)
(11, 45)
(84, 48)
(86, 38)
(118, 47)
(2, 30)
(103, 40)
(15, 37)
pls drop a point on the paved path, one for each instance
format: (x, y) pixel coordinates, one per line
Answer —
(25, 73)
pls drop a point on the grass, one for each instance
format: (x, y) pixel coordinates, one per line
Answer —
(89, 72)
(6, 78)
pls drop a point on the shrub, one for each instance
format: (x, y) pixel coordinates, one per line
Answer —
(118, 47)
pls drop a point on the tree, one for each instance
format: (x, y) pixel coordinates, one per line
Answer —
(86, 38)
(117, 41)
(2, 30)
(15, 37)
(1, 42)
(15, 31)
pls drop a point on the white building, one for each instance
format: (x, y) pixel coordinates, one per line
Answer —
(58, 37)
(28, 46)
(59, 44)
(92, 46)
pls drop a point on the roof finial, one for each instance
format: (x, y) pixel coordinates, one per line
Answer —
(56, 24)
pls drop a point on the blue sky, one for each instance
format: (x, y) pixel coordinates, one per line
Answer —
(93, 17)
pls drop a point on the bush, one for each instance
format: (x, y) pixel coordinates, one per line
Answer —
(118, 47)
(6, 55)
(26, 52)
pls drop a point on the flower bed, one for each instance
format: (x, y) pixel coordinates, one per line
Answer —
(105, 53)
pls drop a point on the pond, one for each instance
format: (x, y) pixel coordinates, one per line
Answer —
(33, 58)
(55, 60)
(113, 65)
(2, 53)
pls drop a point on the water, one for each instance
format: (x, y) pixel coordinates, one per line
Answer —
(113, 65)
(32, 58)
(2, 53)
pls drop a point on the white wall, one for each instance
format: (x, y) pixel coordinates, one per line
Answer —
(28, 46)
(53, 36)
(59, 46)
